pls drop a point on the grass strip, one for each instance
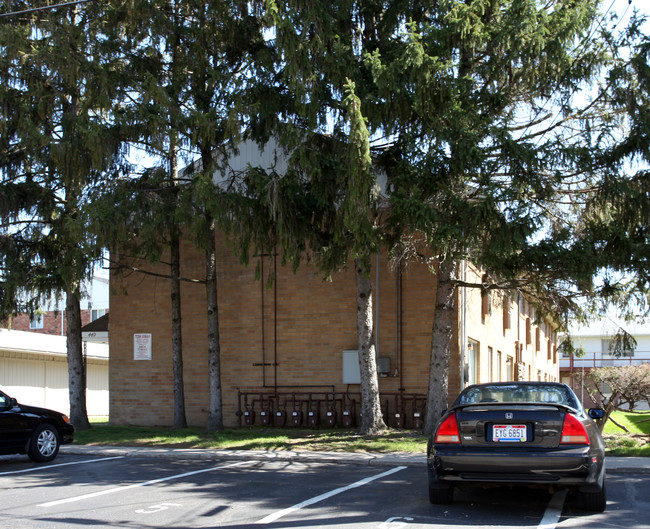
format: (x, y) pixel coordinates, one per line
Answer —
(634, 442)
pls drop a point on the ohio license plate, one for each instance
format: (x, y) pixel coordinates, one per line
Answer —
(509, 432)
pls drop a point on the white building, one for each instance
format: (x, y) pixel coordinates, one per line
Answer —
(34, 370)
(595, 339)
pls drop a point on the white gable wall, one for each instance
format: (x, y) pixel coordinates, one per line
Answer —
(34, 370)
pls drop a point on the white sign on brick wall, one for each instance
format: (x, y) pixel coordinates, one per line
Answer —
(142, 346)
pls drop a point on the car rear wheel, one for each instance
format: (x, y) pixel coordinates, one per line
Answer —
(440, 492)
(44, 444)
(593, 501)
(441, 496)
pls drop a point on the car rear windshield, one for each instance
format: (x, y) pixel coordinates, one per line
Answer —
(518, 393)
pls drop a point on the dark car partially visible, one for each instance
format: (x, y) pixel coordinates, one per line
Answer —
(37, 432)
(518, 433)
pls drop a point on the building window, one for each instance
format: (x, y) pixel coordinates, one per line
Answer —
(528, 332)
(472, 362)
(510, 368)
(36, 321)
(96, 313)
(538, 339)
(499, 379)
(490, 363)
(486, 301)
(506, 314)
(608, 346)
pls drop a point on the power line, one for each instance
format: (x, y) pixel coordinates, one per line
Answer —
(44, 8)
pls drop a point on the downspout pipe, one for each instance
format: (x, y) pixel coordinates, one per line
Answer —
(398, 326)
(263, 336)
(377, 307)
(463, 312)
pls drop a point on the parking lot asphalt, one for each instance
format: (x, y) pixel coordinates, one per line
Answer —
(614, 463)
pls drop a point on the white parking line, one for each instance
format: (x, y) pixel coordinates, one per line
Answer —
(277, 515)
(35, 469)
(135, 485)
(553, 511)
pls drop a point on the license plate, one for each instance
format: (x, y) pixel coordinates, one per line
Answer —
(509, 432)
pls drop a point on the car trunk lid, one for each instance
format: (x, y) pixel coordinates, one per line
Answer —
(525, 425)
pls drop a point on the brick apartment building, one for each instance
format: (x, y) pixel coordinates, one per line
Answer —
(51, 320)
(288, 352)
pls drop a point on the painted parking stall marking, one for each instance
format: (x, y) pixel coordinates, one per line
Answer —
(35, 469)
(152, 509)
(280, 514)
(553, 511)
(136, 485)
(396, 522)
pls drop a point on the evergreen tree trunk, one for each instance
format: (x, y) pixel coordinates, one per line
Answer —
(76, 366)
(177, 339)
(215, 412)
(180, 420)
(441, 337)
(371, 419)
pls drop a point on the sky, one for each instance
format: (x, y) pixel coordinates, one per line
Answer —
(626, 7)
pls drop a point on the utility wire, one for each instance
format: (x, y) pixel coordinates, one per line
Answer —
(44, 8)
(597, 24)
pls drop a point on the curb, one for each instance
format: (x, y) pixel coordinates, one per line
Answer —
(614, 464)
(392, 459)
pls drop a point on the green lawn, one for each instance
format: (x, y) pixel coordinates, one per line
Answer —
(254, 438)
(634, 443)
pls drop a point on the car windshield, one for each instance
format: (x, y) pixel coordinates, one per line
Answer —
(519, 393)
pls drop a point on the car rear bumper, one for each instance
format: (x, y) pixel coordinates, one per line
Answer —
(562, 467)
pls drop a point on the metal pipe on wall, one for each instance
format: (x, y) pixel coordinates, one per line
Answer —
(463, 347)
(263, 319)
(396, 371)
(377, 307)
(275, 319)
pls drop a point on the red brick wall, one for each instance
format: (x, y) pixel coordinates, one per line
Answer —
(53, 322)
(306, 324)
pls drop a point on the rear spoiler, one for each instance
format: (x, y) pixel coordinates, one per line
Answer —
(557, 405)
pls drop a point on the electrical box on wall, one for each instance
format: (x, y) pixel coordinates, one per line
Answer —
(383, 365)
(351, 374)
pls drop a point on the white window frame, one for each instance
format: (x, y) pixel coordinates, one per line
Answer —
(36, 321)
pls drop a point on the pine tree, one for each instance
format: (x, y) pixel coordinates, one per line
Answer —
(317, 112)
(55, 143)
(190, 63)
(497, 145)
(495, 121)
(223, 41)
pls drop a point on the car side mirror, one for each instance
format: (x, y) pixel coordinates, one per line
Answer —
(9, 403)
(596, 413)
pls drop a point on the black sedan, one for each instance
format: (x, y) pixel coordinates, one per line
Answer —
(37, 432)
(518, 433)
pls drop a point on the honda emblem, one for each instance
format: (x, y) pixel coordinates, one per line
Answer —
(508, 415)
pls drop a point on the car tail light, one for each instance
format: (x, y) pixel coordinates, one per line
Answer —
(573, 431)
(448, 431)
